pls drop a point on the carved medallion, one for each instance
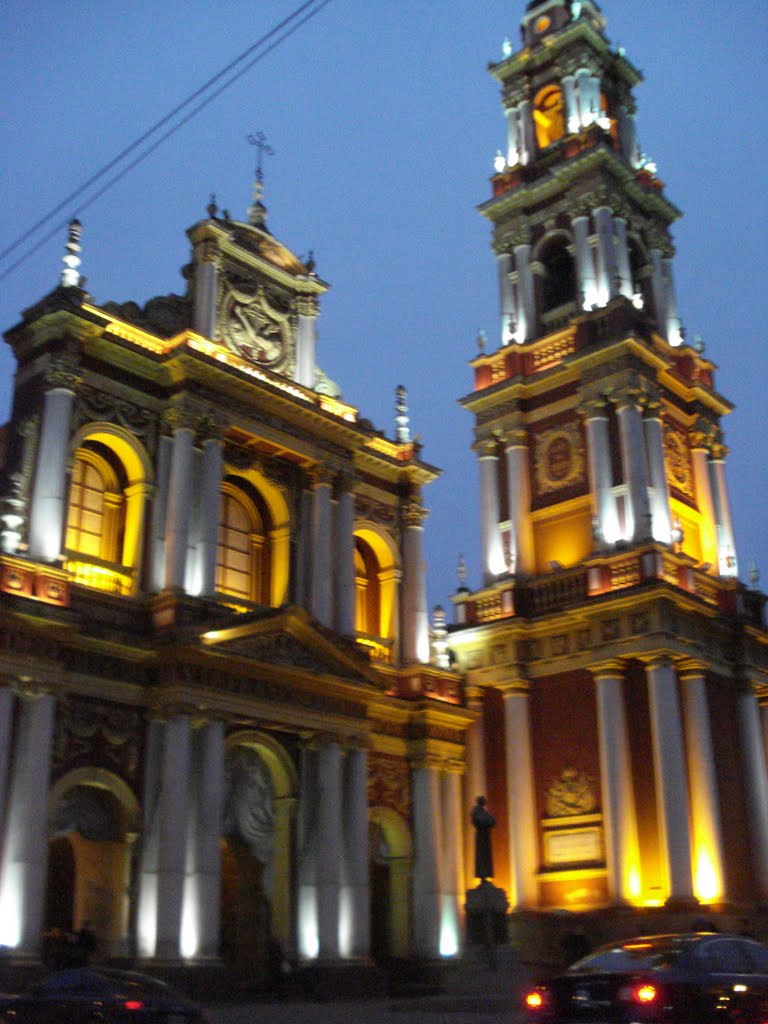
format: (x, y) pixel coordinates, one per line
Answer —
(570, 795)
(254, 329)
(678, 462)
(559, 459)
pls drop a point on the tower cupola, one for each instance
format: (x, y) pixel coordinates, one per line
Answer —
(543, 18)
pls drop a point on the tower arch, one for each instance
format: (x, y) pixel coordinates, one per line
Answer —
(377, 577)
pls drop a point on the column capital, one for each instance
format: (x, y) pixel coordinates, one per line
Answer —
(320, 476)
(658, 659)
(594, 408)
(207, 251)
(414, 514)
(703, 435)
(514, 437)
(630, 395)
(307, 305)
(486, 448)
(608, 670)
(691, 669)
(718, 451)
(179, 418)
(516, 688)
(62, 374)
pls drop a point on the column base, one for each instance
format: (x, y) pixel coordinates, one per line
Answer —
(682, 904)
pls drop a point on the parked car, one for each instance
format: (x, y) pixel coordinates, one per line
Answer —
(86, 994)
(696, 978)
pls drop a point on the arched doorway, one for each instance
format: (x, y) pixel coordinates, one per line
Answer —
(92, 824)
(256, 857)
(390, 851)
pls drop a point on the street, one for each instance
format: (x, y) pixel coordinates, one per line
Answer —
(429, 1010)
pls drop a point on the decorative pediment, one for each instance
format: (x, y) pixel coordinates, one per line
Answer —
(287, 651)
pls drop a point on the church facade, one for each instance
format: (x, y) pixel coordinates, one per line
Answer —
(220, 733)
(618, 667)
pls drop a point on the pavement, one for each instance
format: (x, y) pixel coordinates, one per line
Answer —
(443, 1009)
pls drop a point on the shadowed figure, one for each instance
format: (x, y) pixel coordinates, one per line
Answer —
(483, 821)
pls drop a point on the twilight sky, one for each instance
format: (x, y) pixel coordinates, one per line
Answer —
(385, 123)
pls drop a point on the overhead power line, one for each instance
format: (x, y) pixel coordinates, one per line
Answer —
(282, 31)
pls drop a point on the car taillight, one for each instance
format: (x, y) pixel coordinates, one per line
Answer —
(133, 1004)
(643, 993)
(537, 999)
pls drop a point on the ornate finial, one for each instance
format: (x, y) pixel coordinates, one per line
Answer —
(70, 275)
(482, 341)
(310, 263)
(754, 574)
(698, 344)
(402, 431)
(212, 208)
(257, 212)
(506, 47)
(461, 572)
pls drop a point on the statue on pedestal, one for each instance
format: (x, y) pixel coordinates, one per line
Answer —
(483, 821)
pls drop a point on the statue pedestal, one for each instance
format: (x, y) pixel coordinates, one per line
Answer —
(486, 909)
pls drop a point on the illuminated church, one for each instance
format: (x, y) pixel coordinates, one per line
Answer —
(221, 733)
(226, 724)
(616, 663)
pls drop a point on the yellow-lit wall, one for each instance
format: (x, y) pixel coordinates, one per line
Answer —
(564, 538)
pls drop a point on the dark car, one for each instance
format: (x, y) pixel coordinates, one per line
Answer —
(87, 994)
(697, 978)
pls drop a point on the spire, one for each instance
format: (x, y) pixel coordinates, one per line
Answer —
(257, 211)
(402, 431)
(70, 275)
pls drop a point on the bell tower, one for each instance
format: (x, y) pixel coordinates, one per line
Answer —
(625, 412)
(602, 641)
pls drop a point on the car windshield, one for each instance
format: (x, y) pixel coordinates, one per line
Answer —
(642, 954)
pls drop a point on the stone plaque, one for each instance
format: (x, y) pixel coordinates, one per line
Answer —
(573, 846)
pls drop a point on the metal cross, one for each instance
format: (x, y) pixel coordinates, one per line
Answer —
(259, 140)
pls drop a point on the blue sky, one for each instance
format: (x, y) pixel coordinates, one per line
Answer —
(384, 123)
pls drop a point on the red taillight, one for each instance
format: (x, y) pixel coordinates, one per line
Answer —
(133, 1004)
(536, 999)
(643, 993)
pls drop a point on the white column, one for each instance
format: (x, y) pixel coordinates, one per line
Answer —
(526, 131)
(25, 846)
(756, 786)
(704, 499)
(600, 472)
(572, 119)
(322, 574)
(179, 507)
(513, 137)
(661, 523)
(160, 511)
(193, 577)
(6, 721)
(46, 519)
(206, 280)
(708, 870)
(453, 862)
(671, 778)
(303, 584)
(475, 782)
(726, 542)
(415, 623)
(210, 514)
(521, 802)
(427, 856)
(659, 292)
(526, 305)
(202, 884)
(673, 325)
(622, 257)
(306, 345)
(634, 462)
(172, 836)
(519, 496)
(345, 561)
(619, 818)
(355, 932)
(583, 97)
(506, 298)
(307, 872)
(329, 849)
(585, 262)
(490, 533)
(146, 918)
(606, 255)
(628, 135)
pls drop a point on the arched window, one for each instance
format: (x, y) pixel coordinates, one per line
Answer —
(559, 278)
(367, 590)
(548, 116)
(242, 560)
(96, 514)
